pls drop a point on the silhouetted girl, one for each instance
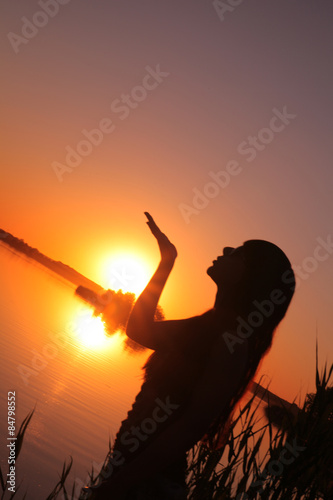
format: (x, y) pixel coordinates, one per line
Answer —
(200, 368)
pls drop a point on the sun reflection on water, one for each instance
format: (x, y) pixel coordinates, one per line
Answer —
(90, 330)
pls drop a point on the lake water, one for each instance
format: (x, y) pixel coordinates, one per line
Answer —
(58, 360)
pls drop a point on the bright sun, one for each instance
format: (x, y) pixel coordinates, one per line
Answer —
(122, 272)
(127, 273)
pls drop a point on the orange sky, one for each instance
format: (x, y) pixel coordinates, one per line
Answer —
(217, 87)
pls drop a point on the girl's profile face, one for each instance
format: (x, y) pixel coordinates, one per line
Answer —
(228, 268)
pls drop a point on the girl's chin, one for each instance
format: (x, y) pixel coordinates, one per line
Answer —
(210, 271)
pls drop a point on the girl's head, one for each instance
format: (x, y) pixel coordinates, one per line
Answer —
(251, 277)
(256, 284)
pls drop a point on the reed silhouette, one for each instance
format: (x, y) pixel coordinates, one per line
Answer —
(199, 370)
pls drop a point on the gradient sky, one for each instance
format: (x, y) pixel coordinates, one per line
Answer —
(227, 72)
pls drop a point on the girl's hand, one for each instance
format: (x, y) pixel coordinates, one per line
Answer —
(167, 249)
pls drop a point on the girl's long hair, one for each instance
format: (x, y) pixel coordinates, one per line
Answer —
(261, 302)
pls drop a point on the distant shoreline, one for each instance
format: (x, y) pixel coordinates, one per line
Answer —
(67, 272)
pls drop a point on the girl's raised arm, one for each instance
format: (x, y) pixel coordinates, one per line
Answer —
(141, 324)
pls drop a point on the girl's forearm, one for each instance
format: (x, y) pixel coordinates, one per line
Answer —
(141, 319)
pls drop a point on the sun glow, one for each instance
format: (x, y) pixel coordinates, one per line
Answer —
(90, 329)
(127, 273)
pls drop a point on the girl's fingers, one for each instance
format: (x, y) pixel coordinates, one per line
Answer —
(151, 221)
(147, 214)
(152, 224)
(149, 217)
(167, 249)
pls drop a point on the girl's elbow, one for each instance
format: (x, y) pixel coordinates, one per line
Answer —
(142, 335)
(131, 331)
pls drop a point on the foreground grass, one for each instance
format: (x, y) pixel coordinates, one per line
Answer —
(297, 464)
(18, 446)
